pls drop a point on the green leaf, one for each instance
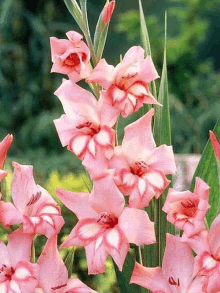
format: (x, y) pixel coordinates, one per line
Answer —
(125, 276)
(74, 9)
(100, 36)
(146, 43)
(69, 261)
(207, 170)
(162, 135)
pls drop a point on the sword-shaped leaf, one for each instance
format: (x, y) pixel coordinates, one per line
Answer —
(207, 169)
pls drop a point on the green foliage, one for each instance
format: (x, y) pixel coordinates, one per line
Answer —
(207, 169)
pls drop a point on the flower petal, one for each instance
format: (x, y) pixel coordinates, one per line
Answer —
(139, 135)
(101, 74)
(129, 222)
(21, 243)
(105, 196)
(78, 203)
(53, 272)
(150, 278)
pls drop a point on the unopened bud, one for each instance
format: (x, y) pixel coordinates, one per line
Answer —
(107, 11)
(215, 144)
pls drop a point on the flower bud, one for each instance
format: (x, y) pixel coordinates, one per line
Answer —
(107, 11)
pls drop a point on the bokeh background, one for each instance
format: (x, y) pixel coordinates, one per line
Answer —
(28, 105)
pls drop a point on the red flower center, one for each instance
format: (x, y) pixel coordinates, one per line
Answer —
(189, 207)
(107, 220)
(89, 128)
(6, 272)
(139, 168)
(172, 281)
(73, 59)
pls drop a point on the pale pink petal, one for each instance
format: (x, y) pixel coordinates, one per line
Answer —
(198, 284)
(150, 278)
(5, 257)
(85, 231)
(4, 146)
(65, 129)
(58, 47)
(178, 262)
(75, 285)
(214, 235)
(96, 256)
(129, 67)
(78, 203)
(98, 166)
(116, 245)
(25, 278)
(9, 215)
(213, 283)
(137, 201)
(148, 71)
(101, 74)
(108, 113)
(23, 186)
(74, 37)
(21, 243)
(72, 96)
(53, 272)
(201, 188)
(129, 222)
(105, 196)
(138, 137)
(163, 160)
(3, 174)
(199, 242)
(79, 144)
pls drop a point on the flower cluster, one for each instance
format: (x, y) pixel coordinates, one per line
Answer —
(125, 178)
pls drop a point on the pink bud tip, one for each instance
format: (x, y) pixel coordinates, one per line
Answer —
(107, 12)
(4, 146)
(215, 144)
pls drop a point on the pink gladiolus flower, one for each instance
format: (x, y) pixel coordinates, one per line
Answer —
(53, 276)
(107, 11)
(186, 210)
(140, 166)
(105, 225)
(215, 145)
(71, 56)
(4, 146)
(176, 274)
(86, 126)
(207, 262)
(17, 274)
(127, 85)
(33, 205)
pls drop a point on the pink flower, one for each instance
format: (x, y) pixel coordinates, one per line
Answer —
(127, 85)
(71, 56)
(215, 145)
(86, 126)
(33, 205)
(105, 225)
(140, 166)
(4, 146)
(53, 276)
(107, 12)
(186, 210)
(17, 274)
(176, 274)
(207, 262)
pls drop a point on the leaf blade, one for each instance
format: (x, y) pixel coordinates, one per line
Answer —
(207, 170)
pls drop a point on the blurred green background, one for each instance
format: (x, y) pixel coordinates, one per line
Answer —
(28, 105)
